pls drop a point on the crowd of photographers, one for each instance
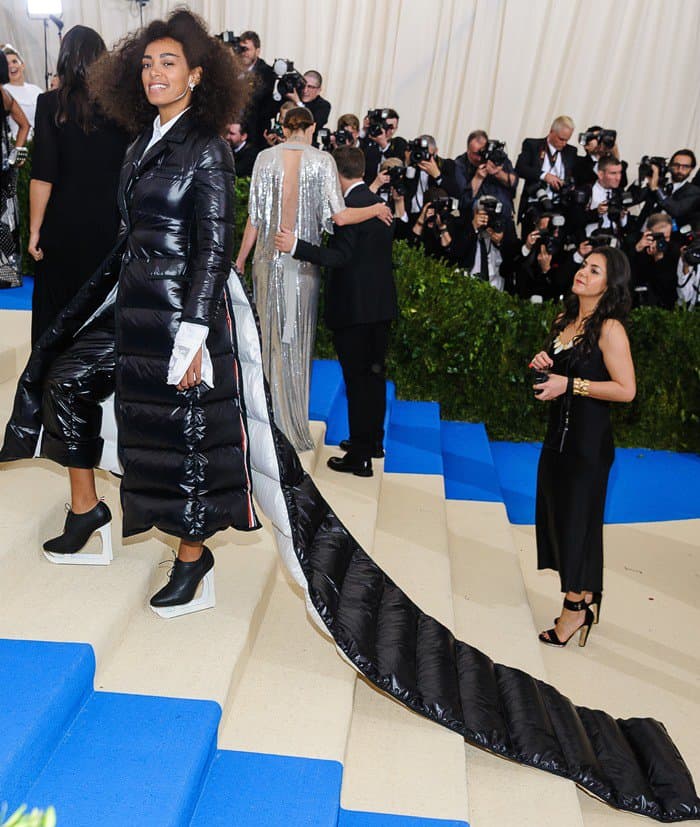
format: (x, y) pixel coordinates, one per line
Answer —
(463, 210)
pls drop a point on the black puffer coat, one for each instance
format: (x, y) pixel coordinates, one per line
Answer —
(184, 454)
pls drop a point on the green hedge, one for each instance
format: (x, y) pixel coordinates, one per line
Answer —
(467, 346)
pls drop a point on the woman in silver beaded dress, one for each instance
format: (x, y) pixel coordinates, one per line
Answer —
(294, 186)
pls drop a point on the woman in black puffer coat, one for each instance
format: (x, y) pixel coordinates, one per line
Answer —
(153, 325)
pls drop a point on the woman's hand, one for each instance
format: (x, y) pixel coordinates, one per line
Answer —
(541, 361)
(193, 375)
(384, 213)
(553, 387)
(33, 246)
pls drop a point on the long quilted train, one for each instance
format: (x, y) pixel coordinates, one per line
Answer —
(630, 764)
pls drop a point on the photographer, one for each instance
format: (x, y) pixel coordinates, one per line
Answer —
(488, 245)
(482, 170)
(261, 79)
(380, 140)
(542, 268)
(244, 153)
(392, 190)
(546, 162)
(351, 124)
(597, 143)
(311, 98)
(275, 134)
(437, 229)
(655, 264)
(607, 207)
(424, 169)
(679, 198)
(688, 270)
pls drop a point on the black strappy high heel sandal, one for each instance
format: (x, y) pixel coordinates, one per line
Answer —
(550, 636)
(594, 607)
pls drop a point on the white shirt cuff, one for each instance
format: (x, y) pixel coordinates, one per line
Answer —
(189, 339)
(294, 247)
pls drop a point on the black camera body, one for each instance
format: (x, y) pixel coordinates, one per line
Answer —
(552, 238)
(343, 137)
(419, 151)
(648, 162)
(377, 122)
(617, 202)
(289, 79)
(660, 240)
(494, 209)
(397, 179)
(602, 238)
(276, 128)
(442, 208)
(323, 139)
(232, 40)
(569, 195)
(494, 151)
(691, 254)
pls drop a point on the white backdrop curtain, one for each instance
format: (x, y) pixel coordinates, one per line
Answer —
(450, 66)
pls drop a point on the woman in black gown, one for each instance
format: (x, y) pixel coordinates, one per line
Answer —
(77, 157)
(590, 366)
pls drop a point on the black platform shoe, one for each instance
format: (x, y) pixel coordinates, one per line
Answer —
(377, 448)
(178, 596)
(550, 636)
(351, 465)
(77, 530)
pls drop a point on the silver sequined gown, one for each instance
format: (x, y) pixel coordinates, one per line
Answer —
(286, 291)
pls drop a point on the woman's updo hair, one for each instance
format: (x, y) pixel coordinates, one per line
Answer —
(217, 100)
(298, 118)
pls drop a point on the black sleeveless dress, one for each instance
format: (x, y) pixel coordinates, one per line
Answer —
(572, 478)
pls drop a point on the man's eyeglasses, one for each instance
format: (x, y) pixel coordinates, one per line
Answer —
(310, 86)
(681, 166)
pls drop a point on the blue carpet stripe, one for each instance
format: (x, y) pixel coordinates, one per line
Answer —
(18, 298)
(352, 818)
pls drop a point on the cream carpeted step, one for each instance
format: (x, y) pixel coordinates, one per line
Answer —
(395, 761)
(643, 657)
(296, 695)
(492, 613)
(16, 332)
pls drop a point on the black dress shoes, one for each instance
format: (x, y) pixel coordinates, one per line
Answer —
(377, 448)
(177, 597)
(351, 465)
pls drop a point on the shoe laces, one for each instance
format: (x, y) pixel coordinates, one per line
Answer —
(171, 562)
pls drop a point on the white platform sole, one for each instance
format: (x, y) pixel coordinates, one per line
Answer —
(104, 558)
(206, 600)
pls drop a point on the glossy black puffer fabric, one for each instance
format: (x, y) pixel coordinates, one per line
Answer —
(630, 764)
(184, 454)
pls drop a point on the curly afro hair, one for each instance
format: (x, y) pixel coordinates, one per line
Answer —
(217, 100)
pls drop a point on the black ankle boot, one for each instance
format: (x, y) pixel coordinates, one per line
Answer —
(184, 579)
(78, 528)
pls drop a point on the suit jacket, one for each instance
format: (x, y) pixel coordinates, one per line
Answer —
(681, 204)
(459, 186)
(262, 107)
(359, 288)
(245, 159)
(374, 156)
(445, 181)
(585, 175)
(320, 108)
(529, 167)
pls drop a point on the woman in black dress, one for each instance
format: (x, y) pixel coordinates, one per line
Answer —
(77, 156)
(590, 365)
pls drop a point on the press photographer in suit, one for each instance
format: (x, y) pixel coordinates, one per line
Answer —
(261, 79)
(476, 173)
(244, 153)
(380, 141)
(360, 304)
(546, 162)
(680, 198)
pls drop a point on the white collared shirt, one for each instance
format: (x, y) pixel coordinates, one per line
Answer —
(599, 194)
(160, 130)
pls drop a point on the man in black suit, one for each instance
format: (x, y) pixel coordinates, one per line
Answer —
(425, 174)
(546, 163)
(311, 98)
(386, 144)
(360, 301)
(244, 153)
(261, 80)
(680, 198)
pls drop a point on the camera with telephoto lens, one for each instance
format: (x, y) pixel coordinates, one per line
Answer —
(691, 254)
(647, 164)
(618, 201)
(232, 40)
(397, 179)
(377, 122)
(494, 209)
(551, 238)
(289, 79)
(661, 243)
(543, 201)
(442, 207)
(419, 150)
(494, 151)
(569, 195)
